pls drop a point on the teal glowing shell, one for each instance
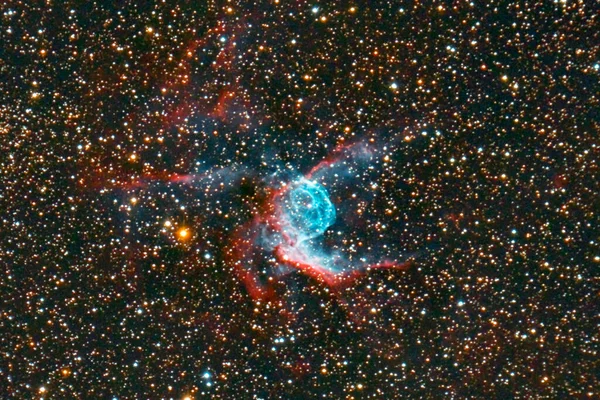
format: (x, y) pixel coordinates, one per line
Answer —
(307, 209)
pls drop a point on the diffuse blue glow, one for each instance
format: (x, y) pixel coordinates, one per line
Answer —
(308, 210)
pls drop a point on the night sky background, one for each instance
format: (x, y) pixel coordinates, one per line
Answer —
(139, 141)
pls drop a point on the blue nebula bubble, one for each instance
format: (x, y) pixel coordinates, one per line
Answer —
(308, 210)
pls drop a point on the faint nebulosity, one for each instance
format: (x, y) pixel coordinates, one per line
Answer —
(299, 200)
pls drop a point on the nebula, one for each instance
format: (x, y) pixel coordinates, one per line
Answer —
(310, 224)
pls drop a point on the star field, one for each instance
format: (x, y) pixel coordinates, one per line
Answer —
(452, 148)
